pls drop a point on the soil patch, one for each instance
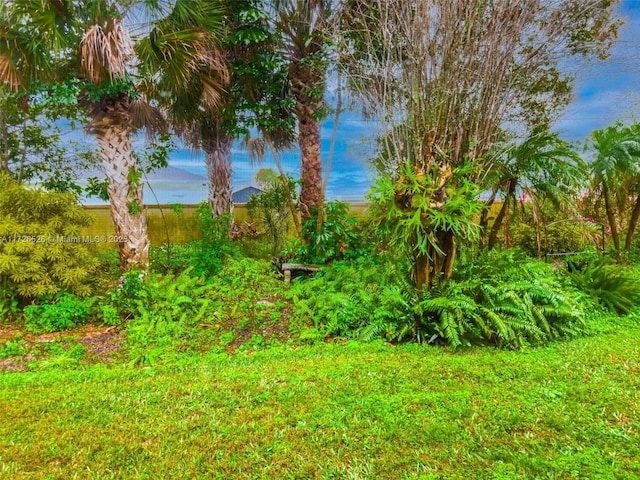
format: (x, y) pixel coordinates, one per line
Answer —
(101, 343)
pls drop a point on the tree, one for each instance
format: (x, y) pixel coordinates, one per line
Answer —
(616, 176)
(194, 98)
(447, 78)
(305, 27)
(88, 45)
(265, 178)
(40, 249)
(32, 146)
(544, 168)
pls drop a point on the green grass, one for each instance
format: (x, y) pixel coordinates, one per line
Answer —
(569, 410)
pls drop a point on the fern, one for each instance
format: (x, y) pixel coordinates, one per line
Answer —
(614, 288)
(508, 306)
(507, 302)
(364, 299)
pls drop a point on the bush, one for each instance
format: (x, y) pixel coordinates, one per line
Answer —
(367, 298)
(613, 287)
(41, 249)
(559, 238)
(505, 300)
(9, 302)
(60, 312)
(498, 300)
(342, 237)
(506, 314)
(172, 258)
(215, 244)
(123, 298)
(271, 210)
(163, 311)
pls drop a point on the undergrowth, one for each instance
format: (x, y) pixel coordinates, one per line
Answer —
(498, 299)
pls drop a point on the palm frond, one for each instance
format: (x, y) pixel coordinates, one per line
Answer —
(255, 147)
(106, 51)
(144, 115)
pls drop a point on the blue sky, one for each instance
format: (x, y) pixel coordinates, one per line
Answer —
(605, 92)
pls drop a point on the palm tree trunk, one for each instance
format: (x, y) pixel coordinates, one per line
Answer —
(125, 195)
(612, 221)
(497, 224)
(310, 165)
(633, 222)
(217, 150)
(484, 219)
(307, 80)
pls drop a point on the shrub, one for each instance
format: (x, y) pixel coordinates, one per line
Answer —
(41, 249)
(9, 303)
(366, 298)
(215, 244)
(172, 258)
(124, 297)
(60, 312)
(499, 300)
(163, 311)
(558, 238)
(342, 237)
(163, 315)
(271, 210)
(615, 288)
(502, 299)
(491, 311)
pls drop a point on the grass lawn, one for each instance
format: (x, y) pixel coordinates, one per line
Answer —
(569, 410)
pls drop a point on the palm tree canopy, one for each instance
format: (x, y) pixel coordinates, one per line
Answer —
(34, 36)
(110, 43)
(617, 151)
(551, 166)
(545, 165)
(182, 55)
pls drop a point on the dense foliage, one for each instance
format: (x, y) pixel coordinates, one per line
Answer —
(270, 210)
(42, 249)
(499, 299)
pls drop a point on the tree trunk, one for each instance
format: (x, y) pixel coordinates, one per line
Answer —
(423, 268)
(429, 267)
(310, 165)
(307, 79)
(217, 150)
(484, 219)
(450, 258)
(125, 195)
(504, 210)
(633, 222)
(612, 221)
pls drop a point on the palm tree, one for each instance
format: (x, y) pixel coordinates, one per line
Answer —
(90, 43)
(305, 29)
(195, 102)
(249, 88)
(616, 174)
(544, 168)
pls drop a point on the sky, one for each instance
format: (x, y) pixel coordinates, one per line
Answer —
(605, 92)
